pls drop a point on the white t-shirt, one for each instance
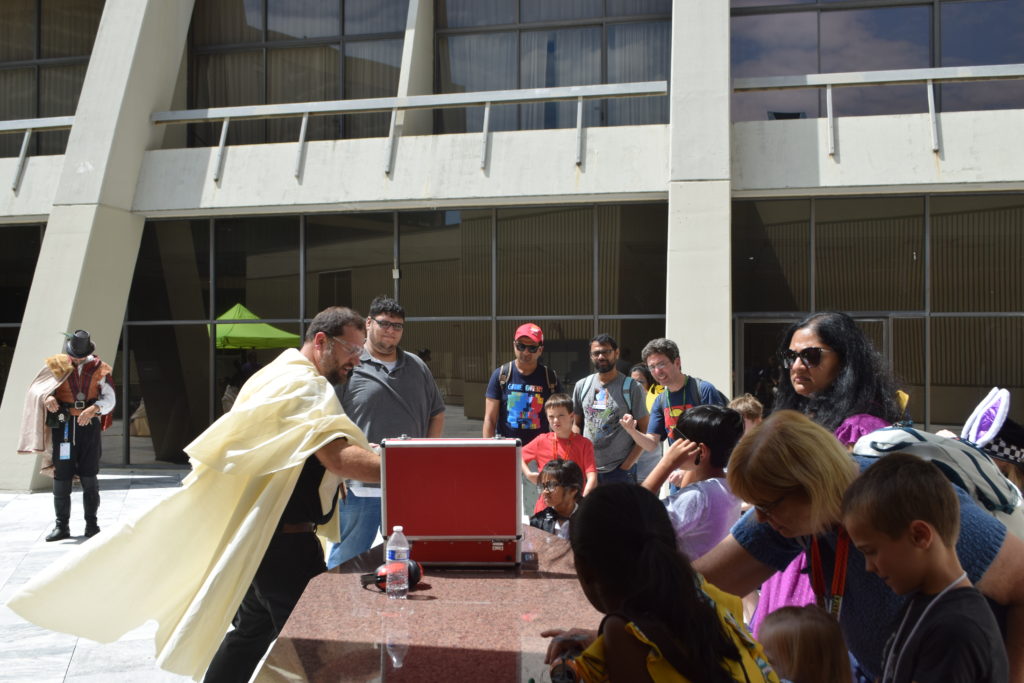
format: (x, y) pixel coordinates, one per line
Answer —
(702, 514)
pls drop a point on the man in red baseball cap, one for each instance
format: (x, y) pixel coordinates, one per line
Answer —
(514, 403)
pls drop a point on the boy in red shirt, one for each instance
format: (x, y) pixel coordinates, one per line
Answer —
(561, 443)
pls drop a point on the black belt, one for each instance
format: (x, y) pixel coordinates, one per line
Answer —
(296, 528)
(78, 405)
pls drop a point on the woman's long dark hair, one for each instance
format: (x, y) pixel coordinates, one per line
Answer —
(622, 537)
(864, 383)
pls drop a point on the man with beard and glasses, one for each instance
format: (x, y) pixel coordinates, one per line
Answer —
(514, 402)
(237, 543)
(600, 401)
(391, 393)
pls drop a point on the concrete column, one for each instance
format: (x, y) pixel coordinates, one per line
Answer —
(87, 259)
(417, 73)
(698, 282)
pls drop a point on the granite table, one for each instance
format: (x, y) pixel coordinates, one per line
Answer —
(458, 625)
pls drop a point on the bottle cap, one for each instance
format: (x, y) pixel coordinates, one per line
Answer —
(398, 528)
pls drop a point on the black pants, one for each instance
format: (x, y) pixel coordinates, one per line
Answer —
(85, 450)
(290, 562)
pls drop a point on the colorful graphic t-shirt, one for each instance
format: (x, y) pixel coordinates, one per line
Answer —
(669, 406)
(521, 405)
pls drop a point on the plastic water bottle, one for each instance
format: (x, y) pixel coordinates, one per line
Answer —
(398, 565)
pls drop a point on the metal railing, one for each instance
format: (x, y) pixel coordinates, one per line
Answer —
(27, 127)
(927, 77)
(577, 93)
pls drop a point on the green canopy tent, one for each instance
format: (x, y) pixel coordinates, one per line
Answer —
(251, 335)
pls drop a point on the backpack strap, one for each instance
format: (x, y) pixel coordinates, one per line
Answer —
(627, 393)
(551, 378)
(504, 374)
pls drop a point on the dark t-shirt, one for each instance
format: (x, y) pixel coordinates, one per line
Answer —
(669, 406)
(304, 504)
(958, 642)
(521, 405)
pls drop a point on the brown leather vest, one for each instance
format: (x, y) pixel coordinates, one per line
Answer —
(85, 379)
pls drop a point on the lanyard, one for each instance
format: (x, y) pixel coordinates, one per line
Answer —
(834, 600)
(555, 455)
(890, 667)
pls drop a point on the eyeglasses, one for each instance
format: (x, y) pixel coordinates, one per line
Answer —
(601, 352)
(810, 357)
(527, 348)
(351, 349)
(549, 486)
(388, 325)
(658, 366)
(766, 509)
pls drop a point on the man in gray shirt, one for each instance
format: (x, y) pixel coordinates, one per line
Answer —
(390, 393)
(599, 402)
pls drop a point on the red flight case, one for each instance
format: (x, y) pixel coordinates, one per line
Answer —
(459, 500)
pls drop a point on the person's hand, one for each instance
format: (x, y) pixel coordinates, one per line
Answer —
(50, 403)
(86, 416)
(572, 641)
(682, 451)
(628, 422)
(676, 478)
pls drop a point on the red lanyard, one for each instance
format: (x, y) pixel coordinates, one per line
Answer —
(833, 601)
(554, 448)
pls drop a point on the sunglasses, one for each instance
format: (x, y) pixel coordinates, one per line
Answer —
(526, 347)
(388, 325)
(810, 357)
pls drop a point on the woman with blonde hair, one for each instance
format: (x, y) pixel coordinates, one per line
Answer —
(795, 473)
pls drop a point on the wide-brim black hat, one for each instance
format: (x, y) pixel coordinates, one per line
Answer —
(79, 344)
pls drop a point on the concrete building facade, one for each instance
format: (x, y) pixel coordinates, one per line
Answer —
(774, 158)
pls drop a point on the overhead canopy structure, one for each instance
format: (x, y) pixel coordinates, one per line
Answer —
(251, 335)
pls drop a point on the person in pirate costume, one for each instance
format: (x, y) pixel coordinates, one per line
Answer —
(77, 411)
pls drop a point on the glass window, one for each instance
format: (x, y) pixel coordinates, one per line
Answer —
(557, 58)
(619, 8)
(59, 88)
(545, 10)
(445, 262)
(546, 261)
(873, 40)
(375, 16)
(908, 353)
(304, 74)
(300, 19)
(632, 242)
(774, 45)
(465, 13)
(638, 52)
(470, 63)
(977, 251)
(17, 30)
(371, 70)
(172, 272)
(348, 260)
(960, 378)
(215, 22)
(771, 256)
(869, 254)
(458, 353)
(18, 102)
(227, 80)
(18, 264)
(256, 264)
(68, 27)
(976, 33)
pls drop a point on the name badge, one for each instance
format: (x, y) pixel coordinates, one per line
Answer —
(601, 400)
(65, 450)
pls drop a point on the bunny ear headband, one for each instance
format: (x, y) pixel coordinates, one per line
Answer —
(989, 428)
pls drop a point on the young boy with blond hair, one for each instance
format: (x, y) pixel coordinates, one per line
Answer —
(903, 515)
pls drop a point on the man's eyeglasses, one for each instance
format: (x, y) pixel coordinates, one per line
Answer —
(766, 509)
(526, 347)
(810, 357)
(388, 325)
(549, 486)
(351, 349)
(601, 352)
(658, 366)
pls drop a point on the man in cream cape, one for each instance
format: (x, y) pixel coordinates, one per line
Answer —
(188, 562)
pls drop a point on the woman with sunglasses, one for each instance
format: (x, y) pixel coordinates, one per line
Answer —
(796, 473)
(833, 375)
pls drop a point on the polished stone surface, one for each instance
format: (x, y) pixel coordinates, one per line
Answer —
(459, 624)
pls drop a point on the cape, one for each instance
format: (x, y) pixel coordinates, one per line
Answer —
(34, 436)
(187, 562)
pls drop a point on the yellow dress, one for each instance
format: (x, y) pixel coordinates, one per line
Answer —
(187, 562)
(754, 666)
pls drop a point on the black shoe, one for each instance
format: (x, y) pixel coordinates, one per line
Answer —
(91, 530)
(59, 533)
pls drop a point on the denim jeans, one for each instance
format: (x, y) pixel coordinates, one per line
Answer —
(359, 518)
(617, 475)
